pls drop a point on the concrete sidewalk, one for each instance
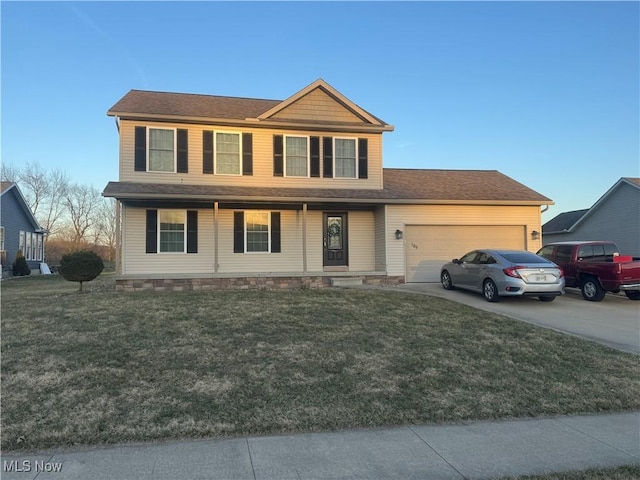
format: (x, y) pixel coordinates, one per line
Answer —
(478, 450)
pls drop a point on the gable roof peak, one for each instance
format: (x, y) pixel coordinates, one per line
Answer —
(321, 84)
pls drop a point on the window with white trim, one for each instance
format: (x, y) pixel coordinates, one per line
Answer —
(345, 158)
(21, 236)
(40, 249)
(172, 236)
(162, 150)
(27, 246)
(228, 158)
(296, 156)
(257, 228)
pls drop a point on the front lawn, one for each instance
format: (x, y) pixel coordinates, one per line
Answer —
(105, 367)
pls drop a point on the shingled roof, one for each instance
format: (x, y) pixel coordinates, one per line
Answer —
(252, 112)
(190, 105)
(402, 186)
(563, 221)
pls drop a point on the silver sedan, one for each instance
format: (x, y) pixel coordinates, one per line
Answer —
(496, 273)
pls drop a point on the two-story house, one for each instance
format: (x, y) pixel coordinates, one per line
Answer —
(240, 192)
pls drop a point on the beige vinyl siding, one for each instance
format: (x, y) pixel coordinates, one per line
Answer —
(136, 261)
(317, 106)
(262, 160)
(399, 217)
(315, 234)
(381, 239)
(362, 248)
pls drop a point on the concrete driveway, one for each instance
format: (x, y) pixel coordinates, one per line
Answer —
(614, 322)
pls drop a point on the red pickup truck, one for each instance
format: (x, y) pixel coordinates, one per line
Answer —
(595, 268)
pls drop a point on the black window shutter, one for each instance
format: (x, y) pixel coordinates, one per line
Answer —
(152, 231)
(238, 232)
(247, 154)
(327, 147)
(363, 158)
(207, 151)
(278, 166)
(276, 245)
(140, 159)
(314, 144)
(192, 231)
(183, 151)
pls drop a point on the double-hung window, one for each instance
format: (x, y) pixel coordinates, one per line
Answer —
(162, 148)
(228, 156)
(296, 155)
(172, 231)
(257, 231)
(345, 158)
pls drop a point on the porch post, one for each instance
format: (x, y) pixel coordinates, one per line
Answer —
(215, 237)
(118, 240)
(304, 238)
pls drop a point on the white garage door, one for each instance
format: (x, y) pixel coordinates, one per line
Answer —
(428, 247)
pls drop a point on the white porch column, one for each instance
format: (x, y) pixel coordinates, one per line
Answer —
(215, 237)
(304, 238)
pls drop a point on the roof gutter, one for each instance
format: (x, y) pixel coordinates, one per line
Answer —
(251, 122)
(369, 201)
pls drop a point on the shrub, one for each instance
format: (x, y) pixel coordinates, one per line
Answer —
(82, 266)
(20, 266)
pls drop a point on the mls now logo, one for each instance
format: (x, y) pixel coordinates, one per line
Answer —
(28, 466)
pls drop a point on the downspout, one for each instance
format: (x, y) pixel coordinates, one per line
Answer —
(117, 120)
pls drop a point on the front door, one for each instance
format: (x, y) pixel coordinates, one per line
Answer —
(336, 250)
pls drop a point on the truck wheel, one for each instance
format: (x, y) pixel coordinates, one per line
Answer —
(591, 290)
(632, 294)
(490, 291)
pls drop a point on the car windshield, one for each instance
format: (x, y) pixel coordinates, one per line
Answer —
(523, 257)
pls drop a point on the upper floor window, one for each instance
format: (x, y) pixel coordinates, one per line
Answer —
(228, 159)
(296, 156)
(345, 158)
(162, 149)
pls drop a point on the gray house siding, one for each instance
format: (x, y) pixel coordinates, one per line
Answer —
(14, 220)
(616, 219)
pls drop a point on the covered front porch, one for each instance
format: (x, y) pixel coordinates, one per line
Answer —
(305, 245)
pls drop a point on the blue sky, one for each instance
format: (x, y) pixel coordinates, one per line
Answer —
(545, 92)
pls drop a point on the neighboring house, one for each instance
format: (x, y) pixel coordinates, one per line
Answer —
(614, 217)
(19, 229)
(236, 192)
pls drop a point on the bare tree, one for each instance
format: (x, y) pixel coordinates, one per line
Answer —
(9, 173)
(82, 203)
(43, 191)
(34, 185)
(53, 210)
(105, 227)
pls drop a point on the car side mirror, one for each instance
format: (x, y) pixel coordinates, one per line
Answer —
(456, 261)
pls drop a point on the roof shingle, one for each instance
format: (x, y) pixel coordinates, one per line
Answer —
(400, 185)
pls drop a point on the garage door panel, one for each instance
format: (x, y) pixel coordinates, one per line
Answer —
(428, 247)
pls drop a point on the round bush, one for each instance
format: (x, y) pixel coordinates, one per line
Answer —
(82, 266)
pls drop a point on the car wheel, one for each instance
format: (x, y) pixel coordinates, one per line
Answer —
(632, 294)
(547, 298)
(591, 290)
(490, 291)
(445, 279)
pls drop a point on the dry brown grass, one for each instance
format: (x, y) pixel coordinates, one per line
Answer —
(104, 367)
